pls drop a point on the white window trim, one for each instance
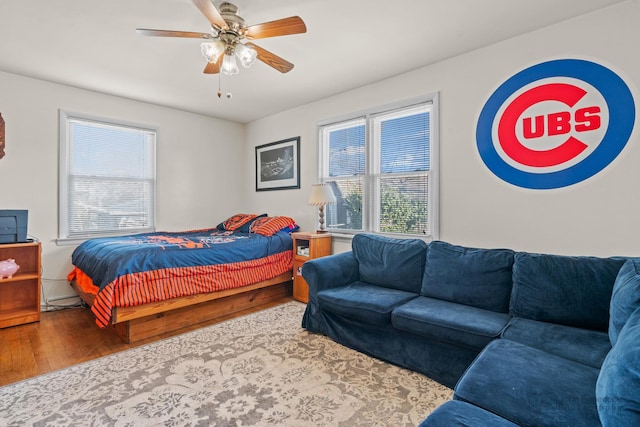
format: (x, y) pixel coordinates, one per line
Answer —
(63, 164)
(434, 170)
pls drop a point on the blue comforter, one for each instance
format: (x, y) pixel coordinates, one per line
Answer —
(105, 259)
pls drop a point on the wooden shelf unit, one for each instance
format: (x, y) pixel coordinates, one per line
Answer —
(20, 294)
(307, 246)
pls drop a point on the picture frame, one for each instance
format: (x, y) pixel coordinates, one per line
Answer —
(278, 165)
(2, 141)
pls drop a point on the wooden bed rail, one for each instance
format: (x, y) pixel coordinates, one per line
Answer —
(144, 321)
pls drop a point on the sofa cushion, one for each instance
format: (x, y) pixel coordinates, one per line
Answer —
(618, 387)
(456, 413)
(329, 272)
(476, 277)
(450, 322)
(363, 301)
(572, 291)
(580, 345)
(392, 263)
(530, 387)
(625, 298)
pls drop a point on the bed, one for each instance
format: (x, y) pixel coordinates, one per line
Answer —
(151, 283)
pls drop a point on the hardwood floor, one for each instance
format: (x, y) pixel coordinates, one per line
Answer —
(67, 337)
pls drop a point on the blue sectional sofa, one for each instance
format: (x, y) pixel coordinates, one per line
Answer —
(524, 339)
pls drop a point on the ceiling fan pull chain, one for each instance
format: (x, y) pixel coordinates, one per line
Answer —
(229, 94)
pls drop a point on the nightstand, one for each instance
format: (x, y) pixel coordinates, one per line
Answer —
(20, 294)
(307, 246)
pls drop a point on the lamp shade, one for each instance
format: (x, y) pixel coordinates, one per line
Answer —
(246, 54)
(229, 65)
(212, 51)
(321, 195)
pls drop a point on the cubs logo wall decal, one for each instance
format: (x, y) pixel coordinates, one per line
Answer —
(555, 124)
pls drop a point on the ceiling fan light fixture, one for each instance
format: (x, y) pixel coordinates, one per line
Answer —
(246, 54)
(212, 50)
(223, 45)
(229, 65)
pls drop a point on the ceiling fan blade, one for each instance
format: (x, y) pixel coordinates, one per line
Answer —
(214, 67)
(171, 33)
(280, 27)
(271, 59)
(211, 13)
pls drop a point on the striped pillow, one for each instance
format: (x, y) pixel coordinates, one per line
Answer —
(237, 221)
(268, 226)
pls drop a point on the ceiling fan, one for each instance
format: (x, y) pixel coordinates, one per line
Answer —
(226, 42)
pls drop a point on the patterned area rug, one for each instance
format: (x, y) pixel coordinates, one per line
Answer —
(258, 370)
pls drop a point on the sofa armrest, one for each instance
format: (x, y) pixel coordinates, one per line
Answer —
(329, 272)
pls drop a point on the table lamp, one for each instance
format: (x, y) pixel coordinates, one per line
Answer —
(321, 195)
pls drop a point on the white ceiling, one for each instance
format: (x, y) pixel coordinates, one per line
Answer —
(92, 44)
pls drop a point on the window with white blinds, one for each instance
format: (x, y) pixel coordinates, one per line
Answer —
(107, 178)
(381, 167)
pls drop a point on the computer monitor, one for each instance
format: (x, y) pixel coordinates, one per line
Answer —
(13, 225)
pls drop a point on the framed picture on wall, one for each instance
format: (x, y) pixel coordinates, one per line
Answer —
(1, 136)
(278, 165)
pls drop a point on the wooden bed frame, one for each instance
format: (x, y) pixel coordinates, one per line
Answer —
(133, 324)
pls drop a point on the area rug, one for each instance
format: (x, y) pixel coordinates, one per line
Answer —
(262, 369)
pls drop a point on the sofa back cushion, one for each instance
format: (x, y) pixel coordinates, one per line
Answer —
(392, 263)
(476, 277)
(625, 298)
(618, 385)
(567, 290)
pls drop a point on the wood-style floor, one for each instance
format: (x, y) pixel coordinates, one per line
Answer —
(67, 337)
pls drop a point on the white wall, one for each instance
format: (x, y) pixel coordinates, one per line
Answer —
(596, 217)
(195, 157)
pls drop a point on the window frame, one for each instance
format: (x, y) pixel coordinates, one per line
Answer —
(369, 197)
(65, 119)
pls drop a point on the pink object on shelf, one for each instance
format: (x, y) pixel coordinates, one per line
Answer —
(8, 268)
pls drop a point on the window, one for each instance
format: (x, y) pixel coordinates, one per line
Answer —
(381, 165)
(107, 178)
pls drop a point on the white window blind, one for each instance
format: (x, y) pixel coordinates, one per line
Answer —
(107, 183)
(380, 168)
(344, 168)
